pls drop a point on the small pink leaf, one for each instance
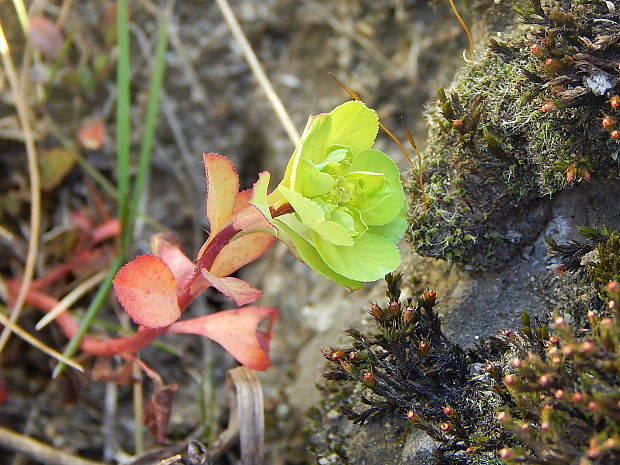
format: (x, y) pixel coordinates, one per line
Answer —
(240, 291)
(46, 36)
(146, 289)
(222, 189)
(240, 252)
(107, 230)
(237, 331)
(166, 248)
(92, 134)
(242, 201)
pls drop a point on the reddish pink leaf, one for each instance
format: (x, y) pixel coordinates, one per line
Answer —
(46, 37)
(237, 331)
(240, 291)
(106, 230)
(242, 201)
(240, 252)
(166, 248)
(92, 134)
(146, 289)
(222, 189)
(252, 219)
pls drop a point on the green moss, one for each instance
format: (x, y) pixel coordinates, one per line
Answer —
(606, 266)
(492, 153)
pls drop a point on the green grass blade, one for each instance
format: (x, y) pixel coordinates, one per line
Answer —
(150, 122)
(123, 102)
(91, 313)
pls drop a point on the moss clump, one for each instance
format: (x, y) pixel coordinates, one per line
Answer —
(545, 394)
(521, 122)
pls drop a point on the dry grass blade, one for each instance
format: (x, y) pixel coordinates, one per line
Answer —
(258, 71)
(246, 387)
(38, 344)
(38, 450)
(71, 298)
(35, 195)
(420, 166)
(470, 42)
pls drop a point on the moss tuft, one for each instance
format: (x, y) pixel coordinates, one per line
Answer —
(521, 122)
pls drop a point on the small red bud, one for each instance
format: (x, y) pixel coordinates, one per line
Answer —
(445, 427)
(567, 351)
(449, 411)
(547, 42)
(545, 426)
(369, 380)
(593, 406)
(577, 397)
(525, 427)
(503, 417)
(591, 315)
(607, 322)
(394, 308)
(338, 355)
(561, 269)
(505, 453)
(585, 174)
(423, 348)
(510, 380)
(559, 394)
(544, 380)
(375, 310)
(560, 322)
(554, 340)
(614, 102)
(412, 416)
(608, 122)
(613, 286)
(407, 314)
(556, 360)
(587, 347)
(457, 123)
(517, 362)
(537, 50)
(547, 107)
(430, 296)
(470, 450)
(571, 172)
(354, 356)
(615, 134)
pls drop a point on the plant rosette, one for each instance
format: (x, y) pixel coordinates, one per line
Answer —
(340, 207)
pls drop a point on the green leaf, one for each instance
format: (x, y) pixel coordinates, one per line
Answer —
(351, 124)
(390, 205)
(370, 258)
(293, 233)
(308, 211)
(332, 232)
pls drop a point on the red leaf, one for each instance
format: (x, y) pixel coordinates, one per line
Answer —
(107, 230)
(46, 36)
(222, 189)
(240, 291)
(92, 134)
(240, 252)
(146, 289)
(237, 331)
(165, 247)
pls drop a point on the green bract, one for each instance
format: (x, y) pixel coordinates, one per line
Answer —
(348, 207)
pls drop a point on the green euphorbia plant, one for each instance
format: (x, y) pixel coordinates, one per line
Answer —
(340, 208)
(343, 202)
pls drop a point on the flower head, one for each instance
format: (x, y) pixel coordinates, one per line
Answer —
(347, 207)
